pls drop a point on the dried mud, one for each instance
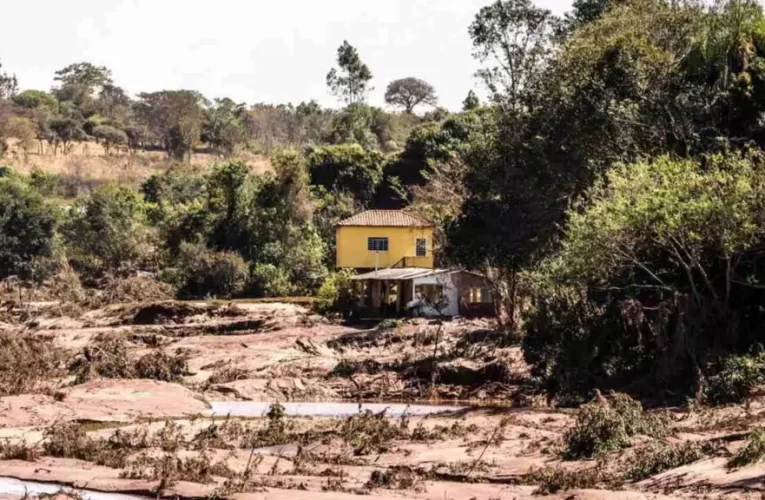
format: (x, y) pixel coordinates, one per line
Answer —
(149, 437)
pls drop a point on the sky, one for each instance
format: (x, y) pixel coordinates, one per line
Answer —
(274, 51)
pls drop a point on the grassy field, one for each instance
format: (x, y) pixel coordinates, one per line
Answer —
(88, 165)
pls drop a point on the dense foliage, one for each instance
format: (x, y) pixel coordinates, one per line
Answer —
(657, 278)
(612, 190)
(27, 227)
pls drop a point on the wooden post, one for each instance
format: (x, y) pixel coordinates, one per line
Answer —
(376, 295)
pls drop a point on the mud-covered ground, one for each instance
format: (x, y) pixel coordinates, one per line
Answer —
(87, 421)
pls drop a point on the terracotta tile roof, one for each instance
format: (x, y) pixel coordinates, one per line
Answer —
(385, 218)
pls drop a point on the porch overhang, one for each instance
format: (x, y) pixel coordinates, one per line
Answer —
(398, 274)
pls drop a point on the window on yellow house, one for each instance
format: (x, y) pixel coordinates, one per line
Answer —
(421, 247)
(377, 244)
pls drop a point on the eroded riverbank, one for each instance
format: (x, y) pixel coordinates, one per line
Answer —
(210, 428)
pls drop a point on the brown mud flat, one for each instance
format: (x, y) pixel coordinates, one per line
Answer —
(144, 437)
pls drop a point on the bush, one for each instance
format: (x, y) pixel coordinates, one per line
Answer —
(752, 452)
(18, 451)
(347, 369)
(107, 357)
(656, 458)
(368, 432)
(160, 366)
(279, 430)
(201, 272)
(27, 362)
(47, 184)
(226, 375)
(137, 289)
(735, 380)
(106, 233)
(396, 477)
(599, 429)
(27, 228)
(68, 440)
(554, 479)
(267, 280)
(335, 294)
(607, 425)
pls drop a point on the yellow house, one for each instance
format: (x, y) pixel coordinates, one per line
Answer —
(380, 239)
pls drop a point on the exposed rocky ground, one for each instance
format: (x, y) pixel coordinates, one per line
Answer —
(118, 400)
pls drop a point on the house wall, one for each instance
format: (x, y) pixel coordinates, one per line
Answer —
(352, 247)
(451, 294)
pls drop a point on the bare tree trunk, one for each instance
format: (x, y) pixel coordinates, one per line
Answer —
(511, 301)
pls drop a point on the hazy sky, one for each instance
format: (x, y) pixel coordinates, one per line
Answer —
(254, 51)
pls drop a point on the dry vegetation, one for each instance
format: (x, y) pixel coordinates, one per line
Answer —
(88, 165)
(612, 444)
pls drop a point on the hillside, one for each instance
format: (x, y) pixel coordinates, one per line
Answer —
(88, 165)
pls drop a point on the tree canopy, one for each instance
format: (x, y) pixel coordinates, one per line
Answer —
(408, 93)
(349, 82)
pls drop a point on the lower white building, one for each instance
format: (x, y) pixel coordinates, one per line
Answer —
(424, 292)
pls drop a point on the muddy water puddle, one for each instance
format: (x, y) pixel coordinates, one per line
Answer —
(295, 409)
(16, 487)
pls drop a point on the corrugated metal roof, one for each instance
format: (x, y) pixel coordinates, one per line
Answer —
(394, 273)
(406, 273)
(385, 218)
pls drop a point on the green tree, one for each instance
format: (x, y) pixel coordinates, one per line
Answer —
(280, 232)
(657, 277)
(24, 131)
(173, 118)
(471, 102)
(176, 207)
(312, 122)
(428, 145)
(41, 107)
(198, 272)
(35, 99)
(371, 127)
(350, 81)
(584, 12)
(106, 233)
(616, 75)
(346, 168)
(27, 230)
(65, 132)
(408, 93)
(330, 207)
(115, 106)
(85, 76)
(728, 57)
(79, 86)
(110, 137)
(224, 127)
(354, 125)
(8, 85)
(513, 36)
(227, 203)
